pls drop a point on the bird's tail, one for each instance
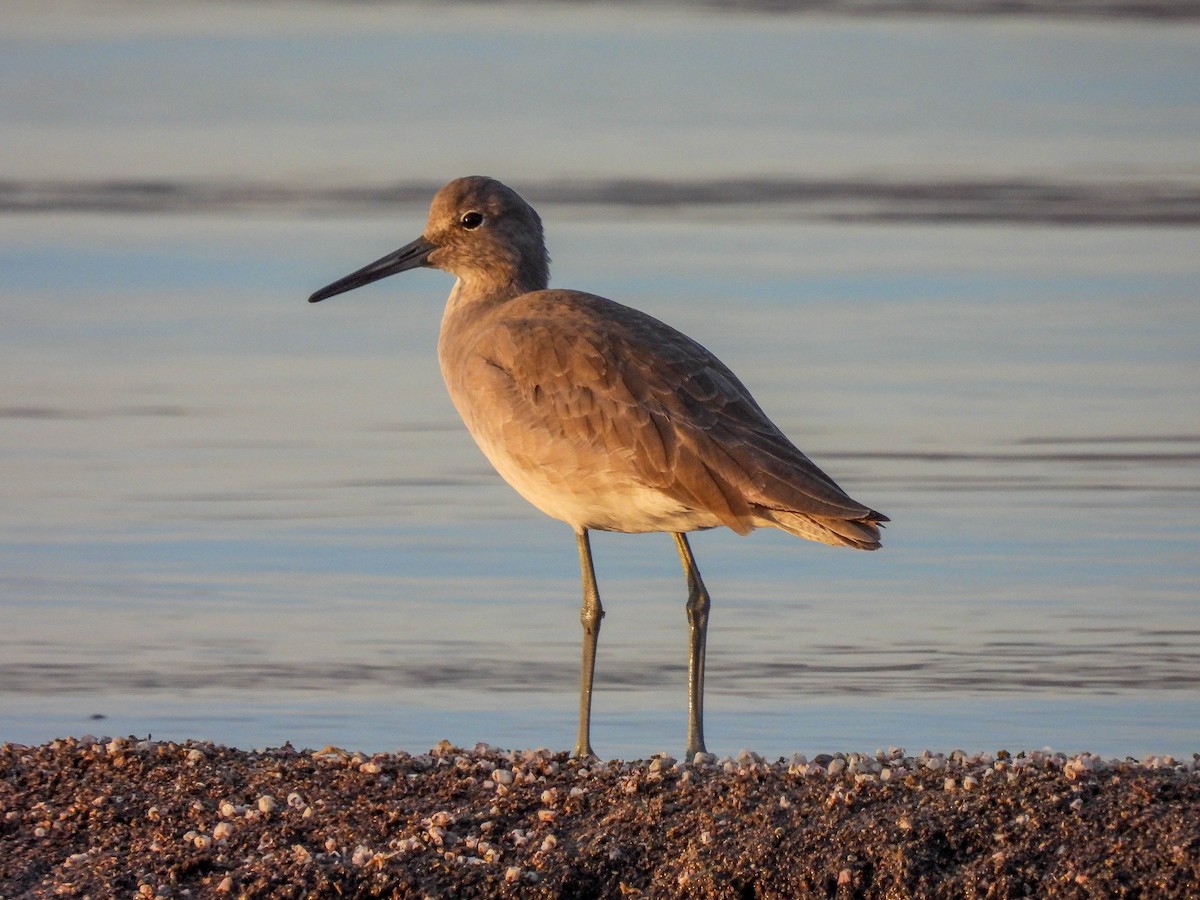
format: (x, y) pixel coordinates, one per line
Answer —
(861, 533)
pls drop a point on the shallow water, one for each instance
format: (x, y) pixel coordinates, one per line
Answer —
(232, 515)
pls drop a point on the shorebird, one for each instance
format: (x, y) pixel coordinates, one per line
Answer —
(604, 417)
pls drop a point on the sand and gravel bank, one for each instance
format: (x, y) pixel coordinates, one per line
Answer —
(129, 818)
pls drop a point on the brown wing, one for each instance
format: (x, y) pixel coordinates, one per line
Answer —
(604, 379)
(723, 435)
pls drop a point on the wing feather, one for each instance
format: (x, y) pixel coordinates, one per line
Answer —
(660, 410)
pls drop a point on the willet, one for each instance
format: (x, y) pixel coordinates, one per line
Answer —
(604, 417)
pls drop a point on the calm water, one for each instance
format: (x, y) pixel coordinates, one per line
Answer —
(230, 515)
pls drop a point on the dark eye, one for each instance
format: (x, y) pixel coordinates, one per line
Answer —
(471, 220)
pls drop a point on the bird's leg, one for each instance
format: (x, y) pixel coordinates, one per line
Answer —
(590, 615)
(697, 614)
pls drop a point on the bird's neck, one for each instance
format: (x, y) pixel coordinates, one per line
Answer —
(471, 300)
(498, 285)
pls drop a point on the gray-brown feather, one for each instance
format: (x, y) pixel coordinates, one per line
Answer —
(595, 380)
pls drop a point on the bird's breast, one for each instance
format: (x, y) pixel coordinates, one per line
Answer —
(554, 440)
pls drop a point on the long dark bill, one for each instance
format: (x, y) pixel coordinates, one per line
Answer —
(410, 256)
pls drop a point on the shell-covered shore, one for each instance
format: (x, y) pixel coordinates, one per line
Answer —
(100, 817)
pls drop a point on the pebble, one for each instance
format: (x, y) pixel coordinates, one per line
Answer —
(246, 836)
(661, 763)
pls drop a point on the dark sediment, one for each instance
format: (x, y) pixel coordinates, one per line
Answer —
(129, 818)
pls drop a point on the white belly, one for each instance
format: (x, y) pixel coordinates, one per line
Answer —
(596, 498)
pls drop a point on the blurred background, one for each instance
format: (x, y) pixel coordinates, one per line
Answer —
(954, 251)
